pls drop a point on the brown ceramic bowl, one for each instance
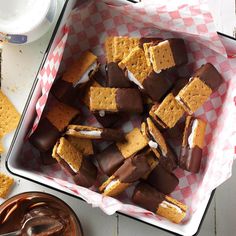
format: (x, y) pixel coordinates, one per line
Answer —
(16, 210)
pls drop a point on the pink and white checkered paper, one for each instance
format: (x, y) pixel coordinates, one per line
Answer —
(91, 22)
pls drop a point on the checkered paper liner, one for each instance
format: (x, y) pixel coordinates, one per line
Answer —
(90, 24)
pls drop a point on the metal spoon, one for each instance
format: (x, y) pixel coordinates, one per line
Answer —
(37, 225)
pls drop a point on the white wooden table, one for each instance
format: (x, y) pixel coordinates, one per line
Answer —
(22, 62)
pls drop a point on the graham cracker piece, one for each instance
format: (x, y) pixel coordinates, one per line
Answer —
(86, 98)
(135, 63)
(168, 209)
(77, 69)
(9, 116)
(60, 115)
(5, 184)
(146, 47)
(103, 99)
(134, 143)
(74, 130)
(161, 56)
(69, 153)
(109, 49)
(84, 146)
(169, 111)
(194, 94)
(123, 46)
(1, 147)
(187, 123)
(157, 135)
(115, 188)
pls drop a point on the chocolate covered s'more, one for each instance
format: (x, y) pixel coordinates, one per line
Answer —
(149, 198)
(159, 146)
(52, 125)
(112, 157)
(115, 100)
(89, 132)
(76, 75)
(130, 172)
(167, 54)
(167, 113)
(199, 88)
(192, 145)
(142, 74)
(83, 171)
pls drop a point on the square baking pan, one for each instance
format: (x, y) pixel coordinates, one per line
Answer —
(13, 160)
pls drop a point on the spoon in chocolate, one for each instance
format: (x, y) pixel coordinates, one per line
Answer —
(37, 226)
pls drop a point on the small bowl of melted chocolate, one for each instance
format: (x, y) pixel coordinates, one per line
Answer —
(22, 208)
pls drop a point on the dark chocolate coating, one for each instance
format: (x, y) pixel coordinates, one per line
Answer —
(129, 100)
(147, 197)
(100, 78)
(149, 40)
(64, 91)
(87, 174)
(209, 75)
(179, 51)
(170, 161)
(116, 77)
(133, 169)
(162, 180)
(109, 120)
(180, 83)
(47, 158)
(158, 85)
(45, 136)
(110, 159)
(190, 159)
(113, 135)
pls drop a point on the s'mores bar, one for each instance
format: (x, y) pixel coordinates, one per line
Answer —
(83, 171)
(131, 171)
(53, 125)
(158, 145)
(89, 132)
(167, 113)
(142, 74)
(78, 73)
(192, 145)
(167, 54)
(149, 198)
(199, 88)
(115, 100)
(112, 157)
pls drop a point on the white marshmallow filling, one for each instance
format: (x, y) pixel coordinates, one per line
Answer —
(134, 80)
(111, 184)
(191, 136)
(94, 133)
(166, 204)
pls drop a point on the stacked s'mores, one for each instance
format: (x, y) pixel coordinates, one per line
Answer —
(140, 78)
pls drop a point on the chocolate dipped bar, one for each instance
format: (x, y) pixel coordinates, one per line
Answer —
(83, 171)
(149, 198)
(162, 180)
(78, 73)
(167, 113)
(158, 145)
(115, 100)
(112, 157)
(193, 141)
(140, 73)
(167, 54)
(52, 125)
(131, 171)
(89, 132)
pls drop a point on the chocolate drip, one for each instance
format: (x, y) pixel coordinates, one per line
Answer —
(163, 180)
(110, 159)
(147, 197)
(116, 77)
(133, 169)
(129, 100)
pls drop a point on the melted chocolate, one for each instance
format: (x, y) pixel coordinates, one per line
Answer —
(28, 205)
(45, 136)
(210, 76)
(147, 197)
(109, 120)
(129, 100)
(116, 77)
(179, 51)
(113, 135)
(110, 159)
(133, 169)
(163, 180)
(158, 85)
